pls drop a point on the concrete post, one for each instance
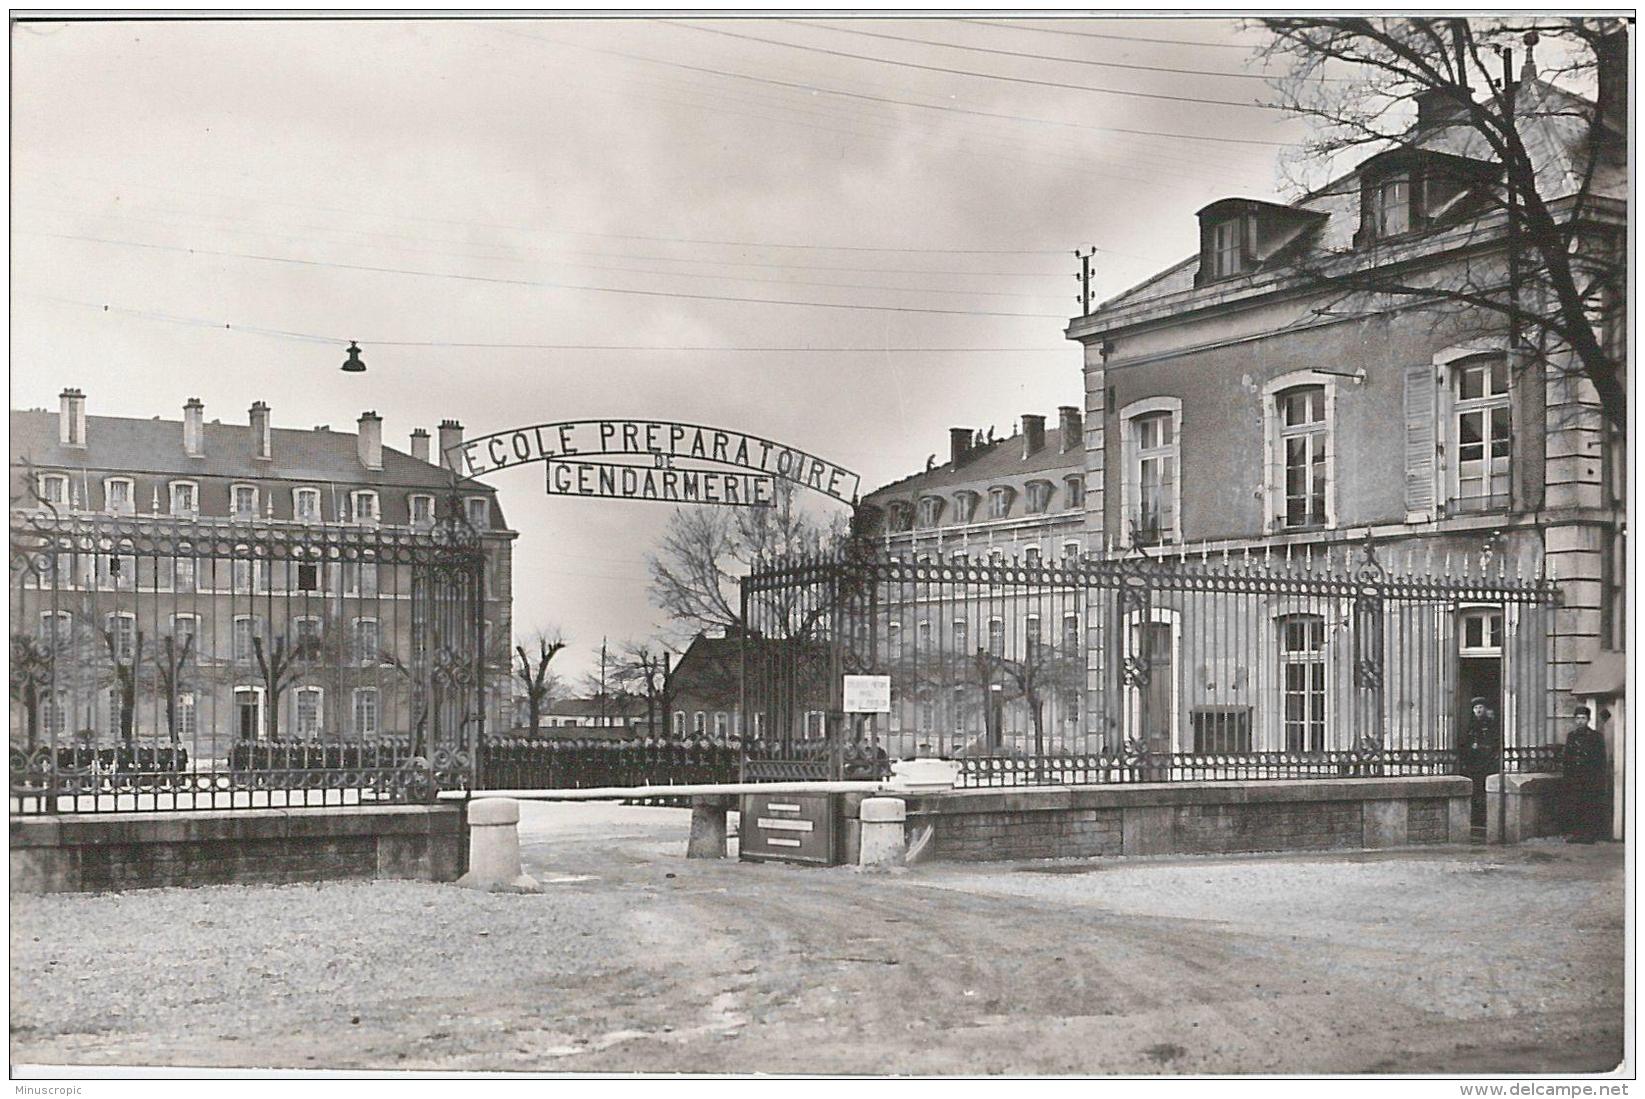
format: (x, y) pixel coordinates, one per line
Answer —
(884, 837)
(708, 831)
(494, 848)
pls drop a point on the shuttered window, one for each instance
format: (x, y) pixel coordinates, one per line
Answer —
(1420, 393)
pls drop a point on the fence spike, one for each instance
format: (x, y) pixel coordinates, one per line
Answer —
(1447, 563)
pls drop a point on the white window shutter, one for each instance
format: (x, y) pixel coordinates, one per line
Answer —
(1420, 443)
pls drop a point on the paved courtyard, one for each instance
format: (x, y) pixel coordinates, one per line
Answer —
(633, 959)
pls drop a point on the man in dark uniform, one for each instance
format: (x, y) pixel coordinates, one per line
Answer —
(1585, 815)
(1477, 754)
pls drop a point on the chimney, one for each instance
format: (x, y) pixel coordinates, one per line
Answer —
(1611, 58)
(194, 428)
(261, 437)
(451, 435)
(959, 444)
(71, 421)
(1070, 425)
(419, 445)
(370, 440)
(1033, 435)
(1442, 104)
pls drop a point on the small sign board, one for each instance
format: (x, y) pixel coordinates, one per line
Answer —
(787, 828)
(867, 694)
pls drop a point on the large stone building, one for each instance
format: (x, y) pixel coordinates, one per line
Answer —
(1255, 398)
(233, 583)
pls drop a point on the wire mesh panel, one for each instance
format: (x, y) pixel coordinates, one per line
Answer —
(1143, 669)
(174, 664)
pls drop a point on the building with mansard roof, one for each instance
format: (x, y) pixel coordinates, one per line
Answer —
(173, 639)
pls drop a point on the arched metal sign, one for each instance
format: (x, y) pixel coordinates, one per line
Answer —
(656, 460)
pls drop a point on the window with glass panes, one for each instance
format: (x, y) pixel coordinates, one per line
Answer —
(1481, 430)
(185, 498)
(365, 507)
(1039, 496)
(244, 501)
(365, 640)
(305, 504)
(422, 511)
(54, 488)
(245, 628)
(930, 510)
(308, 710)
(1225, 247)
(1303, 438)
(1074, 492)
(56, 627)
(479, 513)
(1302, 682)
(123, 635)
(999, 503)
(1071, 632)
(1155, 476)
(185, 628)
(1481, 632)
(365, 711)
(1392, 202)
(962, 637)
(187, 715)
(1031, 636)
(117, 495)
(996, 636)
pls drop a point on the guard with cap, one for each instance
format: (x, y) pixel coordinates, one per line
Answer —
(1477, 753)
(1585, 815)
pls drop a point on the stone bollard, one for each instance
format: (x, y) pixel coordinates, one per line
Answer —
(883, 835)
(708, 815)
(494, 848)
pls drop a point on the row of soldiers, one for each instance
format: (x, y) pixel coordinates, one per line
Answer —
(1584, 804)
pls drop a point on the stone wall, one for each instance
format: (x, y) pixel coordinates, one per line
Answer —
(95, 852)
(1192, 818)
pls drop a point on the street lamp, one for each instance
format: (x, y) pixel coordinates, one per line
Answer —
(353, 365)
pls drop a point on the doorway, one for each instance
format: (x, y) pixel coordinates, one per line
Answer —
(1479, 675)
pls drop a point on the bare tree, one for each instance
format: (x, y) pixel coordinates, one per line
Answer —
(606, 686)
(641, 671)
(706, 550)
(171, 670)
(31, 670)
(126, 667)
(540, 684)
(280, 665)
(1540, 248)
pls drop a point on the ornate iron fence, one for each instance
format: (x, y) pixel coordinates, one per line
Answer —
(1150, 669)
(172, 664)
(536, 763)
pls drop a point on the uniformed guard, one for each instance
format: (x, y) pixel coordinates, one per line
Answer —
(1477, 755)
(1585, 810)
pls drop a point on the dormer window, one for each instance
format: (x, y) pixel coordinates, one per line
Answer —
(999, 502)
(931, 510)
(1074, 491)
(900, 516)
(1226, 254)
(965, 504)
(117, 495)
(1039, 497)
(1391, 206)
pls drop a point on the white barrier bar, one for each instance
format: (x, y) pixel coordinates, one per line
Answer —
(618, 793)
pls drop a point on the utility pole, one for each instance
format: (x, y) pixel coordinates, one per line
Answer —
(1084, 277)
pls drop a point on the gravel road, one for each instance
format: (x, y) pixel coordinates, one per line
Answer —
(1471, 960)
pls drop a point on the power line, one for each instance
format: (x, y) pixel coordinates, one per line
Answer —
(312, 337)
(1133, 132)
(1251, 105)
(1022, 53)
(540, 284)
(1114, 37)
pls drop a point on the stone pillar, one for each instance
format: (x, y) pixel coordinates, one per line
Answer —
(708, 831)
(884, 837)
(494, 848)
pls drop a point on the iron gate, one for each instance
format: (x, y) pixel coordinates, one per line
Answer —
(1146, 669)
(166, 663)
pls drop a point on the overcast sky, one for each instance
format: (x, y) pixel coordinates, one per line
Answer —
(429, 188)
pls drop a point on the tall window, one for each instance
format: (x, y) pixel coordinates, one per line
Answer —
(305, 505)
(1031, 557)
(1303, 439)
(479, 512)
(245, 628)
(679, 723)
(1074, 491)
(900, 516)
(1302, 681)
(365, 640)
(122, 629)
(722, 723)
(308, 710)
(1071, 552)
(1070, 633)
(185, 498)
(930, 510)
(1152, 479)
(1481, 433)
(996, 636)
(184, 629)
(187, 715)
(182, 571)
(244, 501)
(1031, 636)
(365, 711)
(56, 627)
(962, 637)
(117, 495)
(1391, 205)
(54, 714)
(965, 504)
